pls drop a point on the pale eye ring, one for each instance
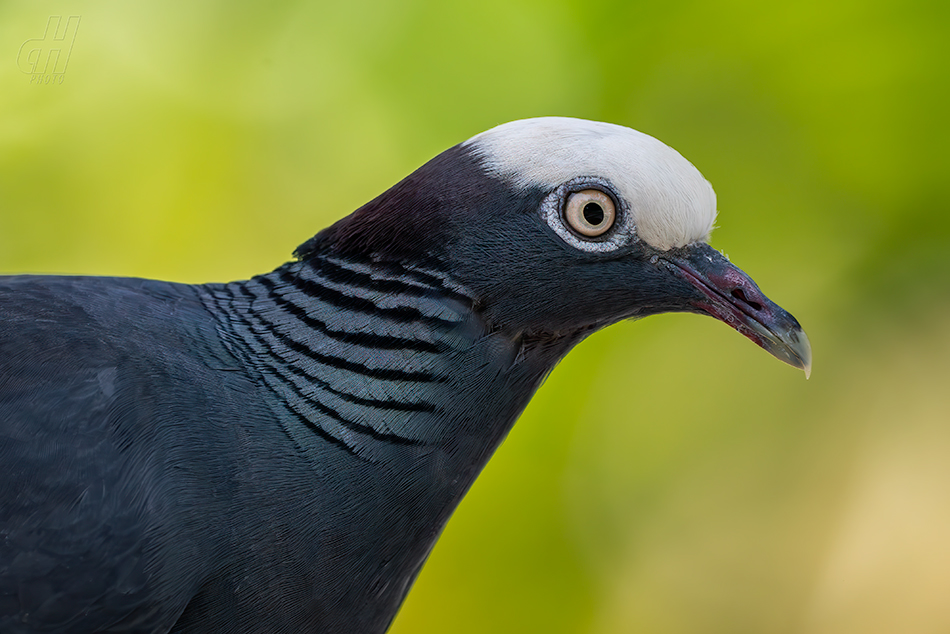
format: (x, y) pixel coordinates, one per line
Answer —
(590, 212)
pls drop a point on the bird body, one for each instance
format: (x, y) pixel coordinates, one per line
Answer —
(280, 454)
(180, 464)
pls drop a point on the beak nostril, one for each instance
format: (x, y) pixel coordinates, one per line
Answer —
(740, 295)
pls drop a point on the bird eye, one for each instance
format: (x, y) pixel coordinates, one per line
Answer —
(590, 212)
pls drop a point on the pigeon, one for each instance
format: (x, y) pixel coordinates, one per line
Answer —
(280, 454)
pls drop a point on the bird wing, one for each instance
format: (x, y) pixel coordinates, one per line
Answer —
(80, 508)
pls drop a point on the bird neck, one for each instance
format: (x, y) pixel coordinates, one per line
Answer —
(368, 358)
(390, 366)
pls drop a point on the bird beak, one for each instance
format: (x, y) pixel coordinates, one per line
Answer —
(728, 294)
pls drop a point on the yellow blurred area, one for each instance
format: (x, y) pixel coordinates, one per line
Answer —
(670, 477)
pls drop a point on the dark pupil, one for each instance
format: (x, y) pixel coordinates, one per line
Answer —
(593, 214)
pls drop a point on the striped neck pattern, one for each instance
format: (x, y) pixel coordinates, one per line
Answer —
(357, 355)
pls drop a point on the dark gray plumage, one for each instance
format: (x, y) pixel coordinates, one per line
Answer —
(280, 454)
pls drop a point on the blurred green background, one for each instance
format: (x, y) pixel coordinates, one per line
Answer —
(670, 477)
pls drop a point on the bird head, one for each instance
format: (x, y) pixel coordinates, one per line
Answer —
(559, 226)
